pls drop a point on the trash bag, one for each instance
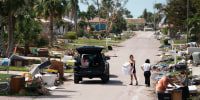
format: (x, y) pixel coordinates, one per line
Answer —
(127, 69)
(109, 47)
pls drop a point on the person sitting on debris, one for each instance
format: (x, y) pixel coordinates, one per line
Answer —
(162, 85)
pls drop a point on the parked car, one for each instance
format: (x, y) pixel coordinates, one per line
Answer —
(91, 63)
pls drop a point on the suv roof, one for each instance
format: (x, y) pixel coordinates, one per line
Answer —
(89, 49)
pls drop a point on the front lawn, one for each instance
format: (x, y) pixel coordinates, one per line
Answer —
(13, 68)
(5, 77)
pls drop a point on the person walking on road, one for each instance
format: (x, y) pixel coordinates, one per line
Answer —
(146, 67)
(132, 62)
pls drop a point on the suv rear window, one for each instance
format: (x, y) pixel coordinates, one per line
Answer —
(88, 60)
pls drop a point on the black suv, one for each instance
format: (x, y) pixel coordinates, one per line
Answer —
(91, 63)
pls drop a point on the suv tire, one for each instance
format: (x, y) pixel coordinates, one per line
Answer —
(76, 79)
(105, 77)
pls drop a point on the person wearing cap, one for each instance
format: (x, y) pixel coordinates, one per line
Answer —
(162, 85)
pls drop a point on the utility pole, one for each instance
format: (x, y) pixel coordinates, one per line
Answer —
(187, 42)
(154, 18)
(187, 19)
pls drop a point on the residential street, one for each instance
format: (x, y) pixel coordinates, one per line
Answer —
(142, 46)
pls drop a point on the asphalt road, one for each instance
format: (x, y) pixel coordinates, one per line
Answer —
(142, 46)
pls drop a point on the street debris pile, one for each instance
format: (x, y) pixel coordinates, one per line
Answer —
(40, 79)
(182, 61)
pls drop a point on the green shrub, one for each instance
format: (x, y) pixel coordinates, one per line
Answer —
(70, 36)
(166, 41)
(71, 32)
(42, 42)
(80, 33)
(165, 31)
(35, 61)
(90, 33)
(102, 34)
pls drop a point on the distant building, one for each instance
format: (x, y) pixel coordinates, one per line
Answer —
(135, 21)
(95, 23)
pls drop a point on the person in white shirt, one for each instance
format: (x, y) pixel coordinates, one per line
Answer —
(146, 67)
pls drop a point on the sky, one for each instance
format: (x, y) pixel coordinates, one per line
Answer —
(136, 7)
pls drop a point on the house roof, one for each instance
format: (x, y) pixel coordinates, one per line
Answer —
(64, 19)
(96, 20)
(135, 20)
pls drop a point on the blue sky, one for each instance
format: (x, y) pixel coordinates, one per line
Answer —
(135, 6)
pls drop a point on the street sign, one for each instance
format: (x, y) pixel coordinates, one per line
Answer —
(108, 39)
(88, 28)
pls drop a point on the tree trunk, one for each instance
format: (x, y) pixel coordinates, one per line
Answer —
(27, 50)
(2, 45)
(10, 45)
(111, 24)
(75, 16)
(107, 18)
(51, 30)
(99, 15)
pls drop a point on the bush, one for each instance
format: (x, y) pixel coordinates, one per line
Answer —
(90, 33)
(42, 42)
(102, 34)
(166, 41)
(70, 36)
(165, 31)
(35, 62)
(71, 32)
(80, 33)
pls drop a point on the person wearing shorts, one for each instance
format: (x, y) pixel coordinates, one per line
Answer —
(132, 62)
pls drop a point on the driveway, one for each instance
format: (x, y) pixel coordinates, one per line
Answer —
(142, 46)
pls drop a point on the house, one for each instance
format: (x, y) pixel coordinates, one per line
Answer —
(58, 30)
(135, 21)
(95, 23)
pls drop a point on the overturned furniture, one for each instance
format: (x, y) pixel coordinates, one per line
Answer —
(43, 52)
(57, 65)
(17, 60)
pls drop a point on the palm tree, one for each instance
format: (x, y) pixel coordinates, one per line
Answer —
(2, 45)
(82, 15)
(9, 8)
(73, 9)
(27, 29)
(51, 9)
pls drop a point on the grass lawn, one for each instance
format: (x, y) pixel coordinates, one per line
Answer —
(178, 41)
(69, 71)
(4, 77)
(12, 68)
(95, 42)
(70, 63)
